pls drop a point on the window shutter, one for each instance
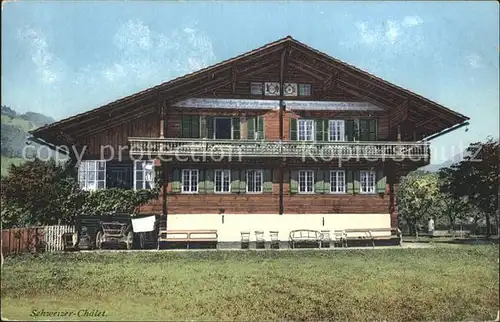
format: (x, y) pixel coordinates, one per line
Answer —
(203, 127)
(243, 181)
(236, 128)
(268, 181)
(209, 181)
(350, 181)
(261, 128)
(349, 130)
(210, 127)
(319, 129)
(293, 129)
(186, 126)
(195, 126)
(357, 185)
(373, 129)
(235, 181)
(326, 130)
(201, 181)
(381, 180)
(326, 183)
(176, 181)
(294, 181)
(251, 128)
(319, 184)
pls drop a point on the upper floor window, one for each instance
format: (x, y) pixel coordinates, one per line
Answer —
(306, 181)
(190, 178)
(336, 130)
(92, 174)
(256, 88)
(306, 130)
(367, 181)
(337, 181)
(144, 175)
(190, 126)
(254, 181)
(304, 89)
(222, 180)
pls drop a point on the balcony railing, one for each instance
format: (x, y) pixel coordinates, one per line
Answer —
(295, 149)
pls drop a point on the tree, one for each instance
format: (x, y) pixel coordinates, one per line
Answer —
(416, 195)
(453, 205)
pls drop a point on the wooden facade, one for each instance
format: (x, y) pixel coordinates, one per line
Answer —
(152, 125)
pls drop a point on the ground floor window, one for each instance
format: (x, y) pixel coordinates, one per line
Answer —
(222, 180)
(337, 181)
(190, 180)
(92, 174)
(367, 181)
(306, 181)
(254, 181)
(144, 175)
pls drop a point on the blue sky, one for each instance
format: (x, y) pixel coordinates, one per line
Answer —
(63, 58)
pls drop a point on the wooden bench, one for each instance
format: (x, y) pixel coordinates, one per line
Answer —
(187, 236)
(372, 234)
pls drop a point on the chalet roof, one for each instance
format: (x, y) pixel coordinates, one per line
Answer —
(401, 103)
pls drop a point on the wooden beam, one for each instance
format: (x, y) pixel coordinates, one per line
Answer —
(367, 96)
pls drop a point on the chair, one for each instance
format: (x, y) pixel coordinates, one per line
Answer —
(325, 239)
(259, 239)
(245, 240)
(275, 242)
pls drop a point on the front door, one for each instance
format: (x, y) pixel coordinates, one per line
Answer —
(223, 128)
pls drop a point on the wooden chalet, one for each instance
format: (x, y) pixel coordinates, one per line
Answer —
(283, 137)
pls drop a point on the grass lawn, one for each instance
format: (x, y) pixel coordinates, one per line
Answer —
(442, 283)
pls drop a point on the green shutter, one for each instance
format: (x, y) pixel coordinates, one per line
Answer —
(326, 130)
(201, 181)
(294, 181)
(243, 181)
(363, 130)
(209, 181)
(349, 130)
(176, 181)
(268, 181)
(236, 128)
(235, 181)
(293, 129)
(203, 127)
(326, 183)
(186, 126)
(373, 129)
(260, 128)
(251, 128)
(350, 181)
(195, 126)
(357, 186)
(381, 180)
(319, 182)
(319, 129)
(210, 127)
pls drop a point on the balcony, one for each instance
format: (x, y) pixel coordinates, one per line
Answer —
(177, 147)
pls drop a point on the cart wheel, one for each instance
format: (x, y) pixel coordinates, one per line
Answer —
(98, 241)
(130, 239)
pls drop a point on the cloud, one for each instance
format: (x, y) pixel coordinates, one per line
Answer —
(474, 60)
(393, 31)
(40, 53)
(412, 21)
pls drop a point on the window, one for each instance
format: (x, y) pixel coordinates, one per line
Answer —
(92, 175)
(256, 88)
(337, 181)
(367, 181)
(222, 180)
(190, 181)
(304, 89)
(306, 181)
(336, 130)
(254, 181)
(190, 126)
(144, 175)
(306, 130)
(367, 129)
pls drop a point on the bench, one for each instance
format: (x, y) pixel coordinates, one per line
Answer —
(305, 236)
(372, 235)
(187, 236)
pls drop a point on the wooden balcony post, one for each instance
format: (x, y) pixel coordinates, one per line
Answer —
(399, 133)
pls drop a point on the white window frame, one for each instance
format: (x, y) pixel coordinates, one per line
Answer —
(85, 168)
(305, 127)
(148, 175)
(306, 89)
(305, 174)
(336, 130)
(254, 184)
(340, 184)
(192, 188)
(255, 84)
(364, 180)
(222, 172)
